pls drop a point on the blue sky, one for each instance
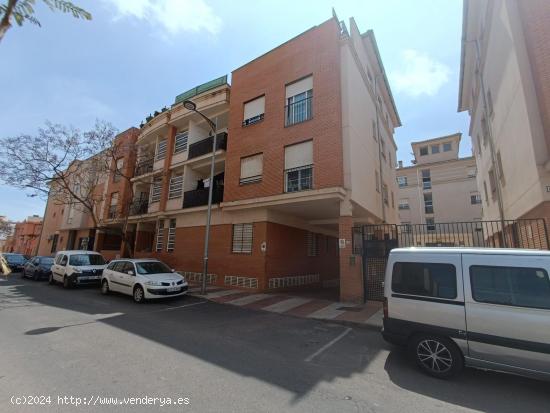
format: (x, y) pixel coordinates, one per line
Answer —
(135, 56)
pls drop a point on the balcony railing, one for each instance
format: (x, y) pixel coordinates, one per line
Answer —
(139, 206)
(298, 112)
(113, 213)
(199, 197)
(299, 179)
(144, 167)
(205, 146)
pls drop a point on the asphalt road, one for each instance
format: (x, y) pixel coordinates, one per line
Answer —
(79, 343)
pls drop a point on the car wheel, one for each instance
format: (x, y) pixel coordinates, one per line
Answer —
(51, 280)
(66, 282)
(437, 356)
(139, 295)
(104, 287)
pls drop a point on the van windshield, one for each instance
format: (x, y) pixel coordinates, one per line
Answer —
(86, 259)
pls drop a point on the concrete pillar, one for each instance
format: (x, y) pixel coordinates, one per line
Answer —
(351, 267)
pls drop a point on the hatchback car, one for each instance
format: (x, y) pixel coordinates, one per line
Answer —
(38, 268)
(77, 267)
(142, 279)
(478, 307)
(13, 262)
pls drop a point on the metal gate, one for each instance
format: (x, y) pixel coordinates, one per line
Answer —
(374, 242)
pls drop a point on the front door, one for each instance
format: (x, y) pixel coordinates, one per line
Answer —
(508, 309)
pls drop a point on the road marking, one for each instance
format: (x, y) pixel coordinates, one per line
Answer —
(248, 299)
(179, 306)
(329, 312)
(328, 345)
(222, 293)
(286, 305)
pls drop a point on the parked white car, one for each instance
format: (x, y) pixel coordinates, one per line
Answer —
(477, 307)
(77, 267)
(142, 279)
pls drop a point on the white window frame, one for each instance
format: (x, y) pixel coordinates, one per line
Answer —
(160, 236)
(156, 190)
(171, 242)
(404, 204)
(180, 142)
(176, 186)
(402, 181)
(312, 244)
(161, 148)
(242, 238)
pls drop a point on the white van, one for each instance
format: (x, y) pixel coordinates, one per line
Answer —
(476, 307)
(77, 267)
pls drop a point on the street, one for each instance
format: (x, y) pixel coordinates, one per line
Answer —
(78, 343)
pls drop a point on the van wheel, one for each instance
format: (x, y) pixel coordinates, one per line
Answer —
(437, 356)
(104, 287)
(139, 295)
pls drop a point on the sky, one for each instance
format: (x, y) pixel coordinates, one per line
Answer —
(135, 56)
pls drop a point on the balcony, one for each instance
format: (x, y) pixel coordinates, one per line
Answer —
(298, 112)
(145, 167)
(199, 197)
(204, 146)
(139, 206)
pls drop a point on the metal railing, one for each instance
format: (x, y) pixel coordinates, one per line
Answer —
(204, 146)
(299, 111)
(144, 167)
(139, 206)
(299, 179)
(199, 197)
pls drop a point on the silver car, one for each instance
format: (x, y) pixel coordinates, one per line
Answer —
(474, 307)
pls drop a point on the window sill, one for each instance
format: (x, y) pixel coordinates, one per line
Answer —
(246, 125)
(250, 182)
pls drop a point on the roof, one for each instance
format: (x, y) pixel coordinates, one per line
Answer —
(471, 250)
(457, 135)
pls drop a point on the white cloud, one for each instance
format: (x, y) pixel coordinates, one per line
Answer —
(174, 16)
(420, 75)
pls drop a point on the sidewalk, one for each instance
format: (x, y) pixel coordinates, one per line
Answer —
(297, 306)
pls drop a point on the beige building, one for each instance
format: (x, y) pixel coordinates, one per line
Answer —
(438, 188)
(505, 87)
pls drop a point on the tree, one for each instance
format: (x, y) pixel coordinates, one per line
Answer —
(23, 11)
(72, 168)
(6, 228)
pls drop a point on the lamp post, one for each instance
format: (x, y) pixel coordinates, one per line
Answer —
(189, 105)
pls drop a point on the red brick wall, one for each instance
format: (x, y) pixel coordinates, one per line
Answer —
(314, 52)
(536, 26)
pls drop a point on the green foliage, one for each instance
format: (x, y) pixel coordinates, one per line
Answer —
(23, 11)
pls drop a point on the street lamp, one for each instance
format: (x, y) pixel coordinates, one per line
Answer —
(190, 105)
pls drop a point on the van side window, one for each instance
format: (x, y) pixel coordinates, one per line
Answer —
(516, 286)
(425, 279)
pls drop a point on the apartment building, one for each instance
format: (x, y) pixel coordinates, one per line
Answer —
(24, 239)
(69, 225)
(505, 87)
(439, 187)
(305, 151)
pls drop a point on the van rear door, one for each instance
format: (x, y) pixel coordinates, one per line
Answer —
(508, 309)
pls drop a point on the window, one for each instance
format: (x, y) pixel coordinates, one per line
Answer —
(385, 193)
(242, 238)
(404, 204)
(181, 142)
(475, 199)
(254, 111)
(516, 286)
(492, 182)
(176, 186)
(156, 189)
(118, 170)
(79, 260)
(160, 236)
(478, 144)
(490, 103)
(251, 169)
(377, 181)
(423, 151)
(430, 224)
(374, 134)
(435, 148)
(428, 203)
(170, 244)
(113, 205)
(161, 150)
(500, 169)
(390, 159)
(486, 192)
(426, 179)
(425, 279)
(447, 147)
(484, 131)
(392, 200)
(383, 148)
(312, 242)
(299, 96)
(299, 167)
(402, 181)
